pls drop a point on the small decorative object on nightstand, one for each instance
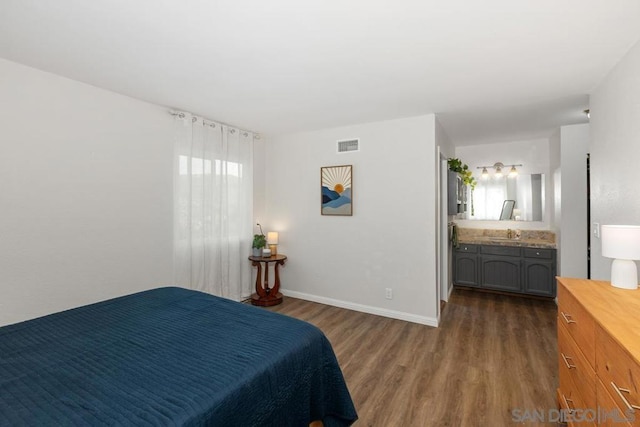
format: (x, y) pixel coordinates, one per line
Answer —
(272, 241)
(266, 296)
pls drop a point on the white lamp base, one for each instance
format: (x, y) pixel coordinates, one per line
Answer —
(624, 274)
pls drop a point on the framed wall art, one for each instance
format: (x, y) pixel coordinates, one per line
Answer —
(336, 190)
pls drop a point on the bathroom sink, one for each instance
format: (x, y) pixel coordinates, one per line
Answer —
(501, 239)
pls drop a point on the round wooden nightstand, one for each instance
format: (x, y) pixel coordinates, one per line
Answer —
(264, 295)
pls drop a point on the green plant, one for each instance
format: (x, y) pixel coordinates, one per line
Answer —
(259, 240)
(456, 165)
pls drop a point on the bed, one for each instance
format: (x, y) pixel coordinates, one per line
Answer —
(170, 356)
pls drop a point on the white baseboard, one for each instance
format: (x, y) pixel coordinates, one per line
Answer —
(400, 315)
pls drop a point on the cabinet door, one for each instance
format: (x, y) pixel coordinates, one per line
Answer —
(539, 277)
(501, 273)
(453, 185)
(465, 269)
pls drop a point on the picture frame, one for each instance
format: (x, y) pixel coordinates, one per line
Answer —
(336, 190)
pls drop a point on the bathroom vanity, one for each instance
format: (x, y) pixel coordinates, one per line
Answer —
(523, 266)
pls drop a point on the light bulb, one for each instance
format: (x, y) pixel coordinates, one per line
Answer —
(513, 172)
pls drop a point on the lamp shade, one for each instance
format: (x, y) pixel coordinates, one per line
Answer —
(621, 241)
(272, 238)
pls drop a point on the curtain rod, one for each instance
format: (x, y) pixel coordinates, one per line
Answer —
(183, 114)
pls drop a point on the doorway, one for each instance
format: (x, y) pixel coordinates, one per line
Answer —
(443, 226)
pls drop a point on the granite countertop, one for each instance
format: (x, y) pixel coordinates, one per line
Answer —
(521, 238)
(525, 243)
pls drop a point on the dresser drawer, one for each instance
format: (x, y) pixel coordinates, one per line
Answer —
(609, 413)
(571, 360)
(570, 399)
(579, 323)
(616, 368)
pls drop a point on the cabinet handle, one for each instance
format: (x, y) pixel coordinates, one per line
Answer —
(538, 253)
(624, 399)
(567, 317)
(566, 403)
(566, 361)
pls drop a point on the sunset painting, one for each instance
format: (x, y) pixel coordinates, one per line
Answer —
(336, 190)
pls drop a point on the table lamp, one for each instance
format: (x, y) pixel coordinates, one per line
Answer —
(272, 241)
(622, 243)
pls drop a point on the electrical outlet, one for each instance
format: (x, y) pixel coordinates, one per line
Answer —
(388, 293)
(596, 230)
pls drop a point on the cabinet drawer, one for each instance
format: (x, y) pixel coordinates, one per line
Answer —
(538, 253)
(471, 249)
(615, 367)
(579, 323)
(500, 250)
(571, 360)
(609, 413)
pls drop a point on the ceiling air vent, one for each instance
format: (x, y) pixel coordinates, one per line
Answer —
(348, 145)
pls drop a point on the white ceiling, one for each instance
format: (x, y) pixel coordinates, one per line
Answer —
(492, 70)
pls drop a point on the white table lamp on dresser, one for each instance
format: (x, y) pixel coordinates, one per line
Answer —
(622, 243)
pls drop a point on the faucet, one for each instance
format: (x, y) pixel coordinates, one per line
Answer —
(509, 233)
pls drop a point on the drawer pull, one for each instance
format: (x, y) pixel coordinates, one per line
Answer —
(566, 361)
(566, 403)
(567, 317)
(538, 253)
(624, 399)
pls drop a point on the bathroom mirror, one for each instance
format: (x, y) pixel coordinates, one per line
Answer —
(527, 192)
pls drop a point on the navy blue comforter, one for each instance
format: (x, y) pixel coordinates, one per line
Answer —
(169, 356)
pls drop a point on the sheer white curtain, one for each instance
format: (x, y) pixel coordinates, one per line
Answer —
(213, 198)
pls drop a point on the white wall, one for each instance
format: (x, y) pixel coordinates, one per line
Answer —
(555, 168)
(574, 146)
(85, 194)
(532, 154)
(389, 242)
(615, 153)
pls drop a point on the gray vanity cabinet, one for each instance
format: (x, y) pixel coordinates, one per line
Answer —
(500, 268)
(515, 269)
(539, 271)
(465, 265)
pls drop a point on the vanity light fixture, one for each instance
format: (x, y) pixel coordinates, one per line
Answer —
(498, 166)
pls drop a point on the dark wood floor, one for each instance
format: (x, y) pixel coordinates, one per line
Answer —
(492, 354)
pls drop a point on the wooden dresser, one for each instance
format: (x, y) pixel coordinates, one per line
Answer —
(598, 353)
